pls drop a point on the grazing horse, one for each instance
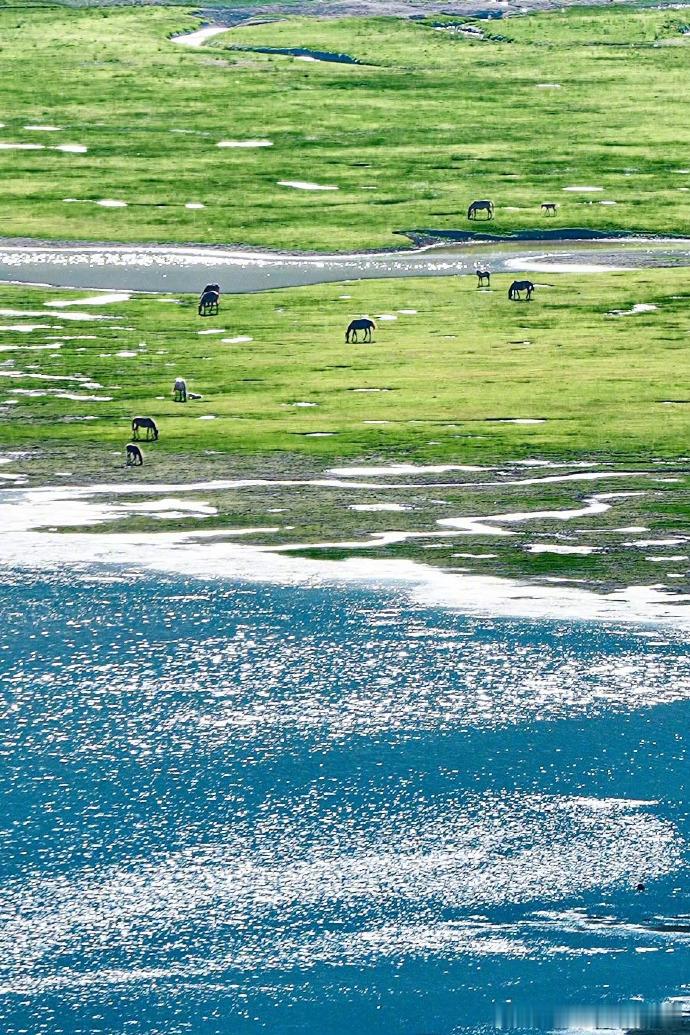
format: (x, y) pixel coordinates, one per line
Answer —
(135, 457)
(481, 206)
(208, 303)
(549, 207)
(148, 423)
(365, 325)
(520, 285)
(483, 275)
(180, 390)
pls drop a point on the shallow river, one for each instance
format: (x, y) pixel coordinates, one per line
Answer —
(233, 808)
(180, 269)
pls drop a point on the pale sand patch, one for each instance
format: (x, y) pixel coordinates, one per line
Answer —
(375, 422)
(72, 149)
(213, 330)
(319, 434)
(582, 190)
(240, 339)
(245, 143)
(607, 202)
(111, 203)
(126, 355)
(44, 129)
(199, 36)
(306, 185)
(408, 312)
(386, 316)
(302, 404)
(548, 86)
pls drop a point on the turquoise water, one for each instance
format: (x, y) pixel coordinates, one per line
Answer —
(234, 808)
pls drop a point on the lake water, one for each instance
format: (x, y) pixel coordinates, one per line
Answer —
(237, 808)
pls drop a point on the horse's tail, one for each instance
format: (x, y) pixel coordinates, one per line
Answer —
(154, 428)
(134, 424)
(469, 212)
(510, 292)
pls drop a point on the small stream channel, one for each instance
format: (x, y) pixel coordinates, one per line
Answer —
(163, 268)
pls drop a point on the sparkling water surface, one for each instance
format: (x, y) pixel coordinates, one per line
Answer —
(233, 808)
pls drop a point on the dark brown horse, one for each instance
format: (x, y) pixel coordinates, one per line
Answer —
(148, 424)
(481, 206)
(517, 287)
(365, 324)
(210, 298)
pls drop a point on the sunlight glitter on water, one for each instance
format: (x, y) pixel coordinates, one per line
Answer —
(325, 799)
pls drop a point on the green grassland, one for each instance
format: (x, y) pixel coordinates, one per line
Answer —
(426, 122)
(449, 372)
(612, 390)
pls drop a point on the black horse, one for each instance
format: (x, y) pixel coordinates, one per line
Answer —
(520, 285)
(208, 303)
(483, 275)
(364, 324)
(149, 425)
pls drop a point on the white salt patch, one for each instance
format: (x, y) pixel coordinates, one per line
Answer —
(667, 560)
(207, 416)
(44, 129)
(583, 190)
(551, 548)
(608, 202)
(126, 355)
(238, 340)
(520, 420)
(72, 149)
(28, 327)
(111, 203)
(548, 86)
(344, 296)
(386, 316)
(408, 312)
(319, 434)
(397, 507)
(305, 57)
(213, 330)
(302, 404)
(115, 296)
(305, 185)
(375, 422)
(21, 147)
(640, 307)
(194, 204)
(244, 143)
